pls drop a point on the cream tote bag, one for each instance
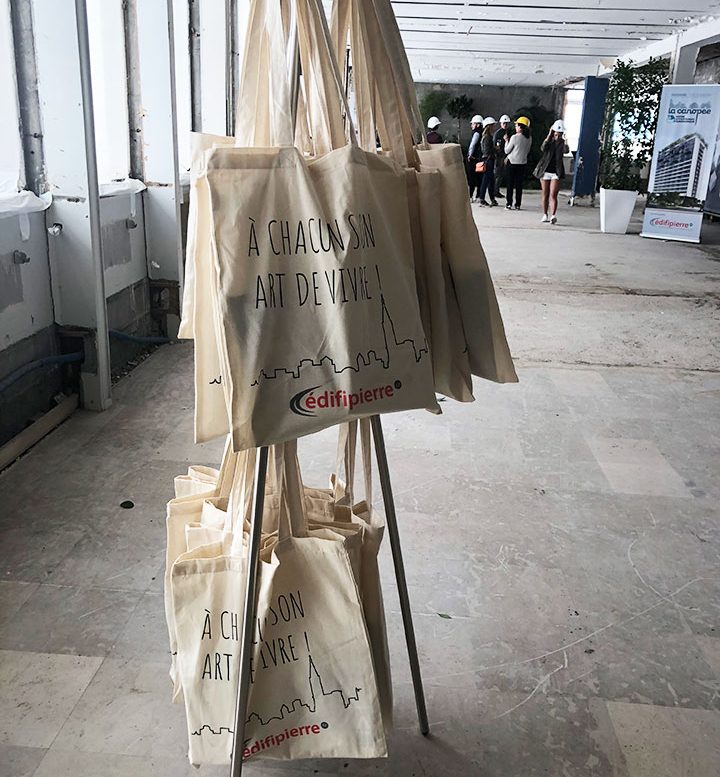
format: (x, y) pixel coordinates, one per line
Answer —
(313, 686)
(472, 309)
(315, 277)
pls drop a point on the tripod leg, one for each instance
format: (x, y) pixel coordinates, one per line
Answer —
(251, 595)
(391, 520)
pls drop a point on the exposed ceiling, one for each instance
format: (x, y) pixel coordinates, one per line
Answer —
(513, 42)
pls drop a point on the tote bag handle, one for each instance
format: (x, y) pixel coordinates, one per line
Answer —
(292, 520)
(264, 115)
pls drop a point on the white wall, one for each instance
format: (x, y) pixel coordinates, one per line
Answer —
(25, 300)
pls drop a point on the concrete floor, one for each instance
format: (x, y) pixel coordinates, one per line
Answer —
(561, 538)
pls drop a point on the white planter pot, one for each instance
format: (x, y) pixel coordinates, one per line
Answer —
(616, 209)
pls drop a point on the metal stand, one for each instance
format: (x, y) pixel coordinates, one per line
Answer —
(392, 527)
(251, 597)
(251, 594)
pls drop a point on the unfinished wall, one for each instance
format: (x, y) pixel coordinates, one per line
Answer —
(493, 101)
(28, 329)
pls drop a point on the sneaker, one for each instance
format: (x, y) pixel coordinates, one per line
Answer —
(517, 207)
(508, 206)
(553, 219)
(484, 203)
(545, 218)
(493, 203)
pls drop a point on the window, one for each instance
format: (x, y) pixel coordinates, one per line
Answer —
(182, 80)
(106, 31)
(574, 98)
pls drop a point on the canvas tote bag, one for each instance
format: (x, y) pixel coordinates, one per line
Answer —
(199, 311)
(199, 320)
(192, 509)
(313, 691)
(315, 277)
(379, 109)
(487, 349)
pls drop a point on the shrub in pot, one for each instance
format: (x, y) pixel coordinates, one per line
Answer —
(631, 113)
(461, 109)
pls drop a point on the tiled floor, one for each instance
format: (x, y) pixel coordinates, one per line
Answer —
(566, 529)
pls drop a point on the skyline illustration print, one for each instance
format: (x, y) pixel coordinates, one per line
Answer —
(316, 692)
(390, 343)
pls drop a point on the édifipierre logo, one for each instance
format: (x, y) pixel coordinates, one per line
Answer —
(310, 402)
(680, 113)
(660, 221)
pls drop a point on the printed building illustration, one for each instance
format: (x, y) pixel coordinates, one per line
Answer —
(679, 166)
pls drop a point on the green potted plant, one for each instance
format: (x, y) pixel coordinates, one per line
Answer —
(631, 113)
(461, 109)
(433, 104)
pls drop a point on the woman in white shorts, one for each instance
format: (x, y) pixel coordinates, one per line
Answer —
(551, 170)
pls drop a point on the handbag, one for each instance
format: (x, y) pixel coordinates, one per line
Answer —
(481, 167)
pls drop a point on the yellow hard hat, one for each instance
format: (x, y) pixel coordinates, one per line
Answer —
(523, 120)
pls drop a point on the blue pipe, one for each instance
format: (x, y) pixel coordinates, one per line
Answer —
(15, 376)
(137, 339)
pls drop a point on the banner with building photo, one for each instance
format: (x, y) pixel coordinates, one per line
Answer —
(684, 165)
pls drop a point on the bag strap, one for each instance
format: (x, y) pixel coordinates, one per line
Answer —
(292, 520)
(379, 58)
(264, 106)
(325, 92)
(264, 113)
(400, 66)
(367, 454)
(396, 135)
(344, 489)
(227, 469)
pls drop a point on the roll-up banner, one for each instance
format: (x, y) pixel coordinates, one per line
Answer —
(684, 171)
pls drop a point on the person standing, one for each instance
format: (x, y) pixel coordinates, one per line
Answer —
(516, 150)
(433, 136)
(551, 170)
(473, 157)
(502, 135)
(487, 156)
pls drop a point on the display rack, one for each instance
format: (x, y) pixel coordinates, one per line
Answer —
(251, 591)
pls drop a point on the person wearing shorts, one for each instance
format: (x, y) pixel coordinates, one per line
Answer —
(551, 170)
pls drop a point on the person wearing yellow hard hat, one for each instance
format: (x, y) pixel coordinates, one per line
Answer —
(501, 137)
(517, 149)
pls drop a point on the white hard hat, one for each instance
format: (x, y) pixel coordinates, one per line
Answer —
(476, 119)
(488, 120)
(505, 118)
(433, 122)
(559, 126)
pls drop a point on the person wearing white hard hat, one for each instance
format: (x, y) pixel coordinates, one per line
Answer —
(501, 137)
(473, 157)
(487, 157)
(551, 170)
(433, 136)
